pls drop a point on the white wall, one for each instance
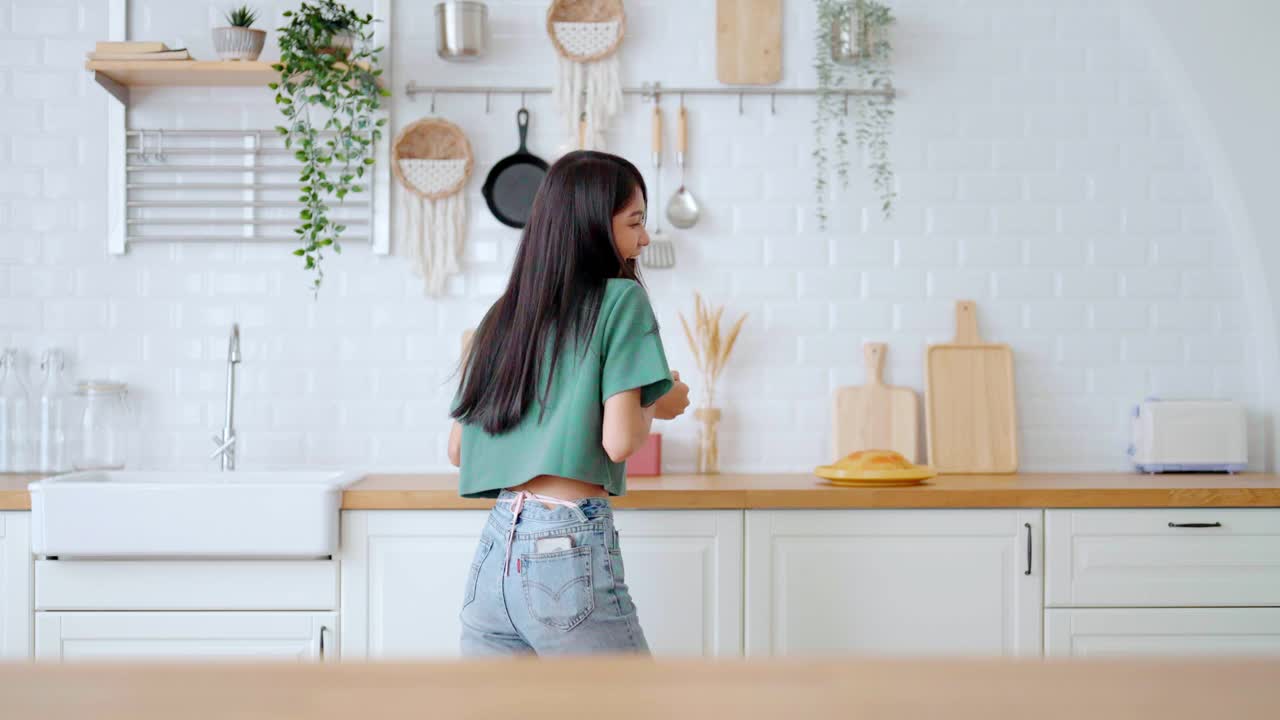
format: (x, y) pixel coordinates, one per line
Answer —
(1221, 57)
(1046, 171)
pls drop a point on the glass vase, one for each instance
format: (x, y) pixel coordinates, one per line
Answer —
(708, 440)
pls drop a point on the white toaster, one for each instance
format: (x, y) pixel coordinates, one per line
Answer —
(1189, 436)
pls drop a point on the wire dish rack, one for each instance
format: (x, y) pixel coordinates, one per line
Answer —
(223, 186)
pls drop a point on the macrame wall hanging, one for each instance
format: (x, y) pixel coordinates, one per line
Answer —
(586, 35)
(431, 160)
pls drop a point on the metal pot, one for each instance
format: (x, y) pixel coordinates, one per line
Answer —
(461, 30)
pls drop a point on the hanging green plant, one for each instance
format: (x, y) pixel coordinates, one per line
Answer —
(852, 39)
(329, 94)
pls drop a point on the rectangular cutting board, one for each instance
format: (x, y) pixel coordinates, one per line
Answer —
(970, 412)
(876, 416)
(749, 42)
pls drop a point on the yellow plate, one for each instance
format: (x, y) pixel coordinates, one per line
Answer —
(876, 483)
(831, 472)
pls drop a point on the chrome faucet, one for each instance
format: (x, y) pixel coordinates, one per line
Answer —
(227, 442)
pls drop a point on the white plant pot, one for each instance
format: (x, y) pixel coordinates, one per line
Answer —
(238, 43)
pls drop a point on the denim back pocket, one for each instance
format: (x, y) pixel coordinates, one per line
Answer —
(473, 578)
(558, 587)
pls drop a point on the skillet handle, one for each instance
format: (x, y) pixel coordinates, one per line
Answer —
(522, 121)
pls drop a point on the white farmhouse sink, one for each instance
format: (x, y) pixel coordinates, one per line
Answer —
(157, 514)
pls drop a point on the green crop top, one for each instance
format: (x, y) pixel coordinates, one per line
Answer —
(625, 353)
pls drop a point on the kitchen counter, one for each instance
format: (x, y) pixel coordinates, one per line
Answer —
(749, 491)
(641, 688)
(13, 490)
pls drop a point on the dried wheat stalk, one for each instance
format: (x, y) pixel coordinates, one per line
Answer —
(710, 349)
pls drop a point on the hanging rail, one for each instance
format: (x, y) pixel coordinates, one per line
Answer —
(651, 90)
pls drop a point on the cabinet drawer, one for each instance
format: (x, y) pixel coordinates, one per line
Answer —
(1162, 558)
(1099, 632)
(186, 585)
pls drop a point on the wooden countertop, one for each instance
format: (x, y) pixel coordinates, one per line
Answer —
(739, 491)
(640, 688)
(13, 490)
(747, 491)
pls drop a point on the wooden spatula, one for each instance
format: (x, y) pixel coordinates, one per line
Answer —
(876, 416)
(969, 405)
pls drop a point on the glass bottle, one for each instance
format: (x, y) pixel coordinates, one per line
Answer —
(55, 398)
(15, 416)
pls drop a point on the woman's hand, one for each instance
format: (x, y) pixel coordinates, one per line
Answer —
(673, 404)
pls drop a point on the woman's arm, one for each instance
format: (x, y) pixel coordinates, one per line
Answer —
(455, 444)
(627, 425)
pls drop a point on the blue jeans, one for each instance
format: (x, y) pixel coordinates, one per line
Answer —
(564, 602)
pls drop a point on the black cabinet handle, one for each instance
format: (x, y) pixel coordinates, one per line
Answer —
(1194, 525)
(1028, 526)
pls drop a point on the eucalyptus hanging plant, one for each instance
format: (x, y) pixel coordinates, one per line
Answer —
(852, 38)
(329, 94)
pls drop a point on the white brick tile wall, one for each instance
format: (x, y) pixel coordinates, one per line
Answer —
(1043, 170)
(990, 188)
(1115, 315)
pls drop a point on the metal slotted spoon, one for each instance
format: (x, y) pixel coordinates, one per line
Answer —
(660, 254)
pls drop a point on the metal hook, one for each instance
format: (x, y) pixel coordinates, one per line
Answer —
(846, 102)
(160, 145)
(521, 101)
(739, 103)
(433, 102)
(773, 103)
(487, 98)
(681, 101)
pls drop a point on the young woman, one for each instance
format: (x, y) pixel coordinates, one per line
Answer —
(563, 378)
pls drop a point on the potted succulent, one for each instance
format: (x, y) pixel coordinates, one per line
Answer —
(239, 40)
(329, 95)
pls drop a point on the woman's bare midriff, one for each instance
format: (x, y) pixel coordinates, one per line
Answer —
(562, 488)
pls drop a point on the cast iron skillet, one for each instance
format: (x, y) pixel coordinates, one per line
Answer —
(512, 183)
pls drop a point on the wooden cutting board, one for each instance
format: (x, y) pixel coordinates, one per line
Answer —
(876, 416)
(970, 413)
(749, 42)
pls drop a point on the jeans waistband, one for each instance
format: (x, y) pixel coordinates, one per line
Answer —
(593, 508)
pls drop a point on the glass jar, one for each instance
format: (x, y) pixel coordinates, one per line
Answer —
(105, 425)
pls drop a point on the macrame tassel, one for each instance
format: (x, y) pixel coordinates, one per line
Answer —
(433, 237)
(592, 90)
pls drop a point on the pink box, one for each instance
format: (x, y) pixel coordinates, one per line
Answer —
(647, 461)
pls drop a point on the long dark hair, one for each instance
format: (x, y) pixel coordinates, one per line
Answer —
(566, 255)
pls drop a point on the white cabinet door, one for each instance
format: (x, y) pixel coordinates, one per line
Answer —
(186, 635)
(920, 582)
(403, 573)
(15, 585)
(684, 570)
(1097, 632)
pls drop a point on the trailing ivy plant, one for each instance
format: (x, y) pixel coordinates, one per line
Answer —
(874, 114)
(329, 95)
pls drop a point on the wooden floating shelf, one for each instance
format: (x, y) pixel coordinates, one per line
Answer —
(197, 73)
(117, 76)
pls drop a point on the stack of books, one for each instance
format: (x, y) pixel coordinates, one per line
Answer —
(136, 50)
